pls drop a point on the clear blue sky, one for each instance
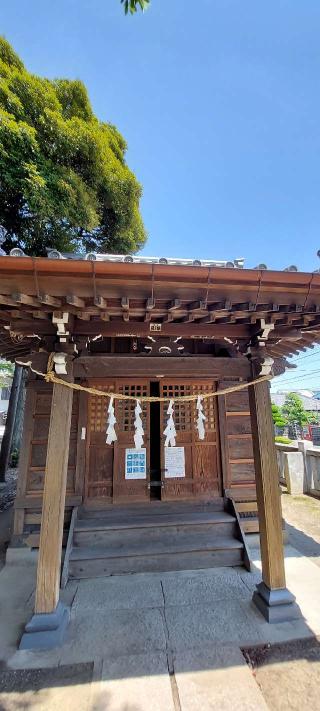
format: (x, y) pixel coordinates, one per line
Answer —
(219, 102)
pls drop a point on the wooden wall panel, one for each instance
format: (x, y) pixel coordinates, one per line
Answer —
(34, 450)
(236, 438)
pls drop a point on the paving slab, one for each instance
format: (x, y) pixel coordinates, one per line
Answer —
(194, 625)
(303, 580)
(67, 687)
(134, 683)
(216, 679)
(123, 592)
(16, 589)
(118, 633)
(203, 587)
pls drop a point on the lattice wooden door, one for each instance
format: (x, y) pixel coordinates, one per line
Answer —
(130, 489)
(99, 455)
(202, 469)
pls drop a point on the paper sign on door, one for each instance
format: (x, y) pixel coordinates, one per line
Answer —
(174, 462)
(136, 464)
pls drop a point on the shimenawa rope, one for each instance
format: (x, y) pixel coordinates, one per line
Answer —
(50, 377)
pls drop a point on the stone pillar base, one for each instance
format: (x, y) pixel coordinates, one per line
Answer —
(276, 605)
(46, 630)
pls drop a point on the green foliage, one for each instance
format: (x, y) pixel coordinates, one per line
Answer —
(14, 458)
(6, 373)
(294, 411)
(283, 440)
(64, 181)
(132, 6)
(313, 418)
(277, 415)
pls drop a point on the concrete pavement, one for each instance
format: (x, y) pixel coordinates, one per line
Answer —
(166, 641)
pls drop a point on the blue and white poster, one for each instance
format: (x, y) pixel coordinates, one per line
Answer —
(136, 464)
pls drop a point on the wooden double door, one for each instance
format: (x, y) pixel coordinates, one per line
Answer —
(105, 464)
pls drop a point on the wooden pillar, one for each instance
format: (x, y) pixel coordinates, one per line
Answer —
(47, 626)
(54, 494)
(271, 597)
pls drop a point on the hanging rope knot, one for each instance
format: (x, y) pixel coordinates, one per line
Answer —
(50, 377)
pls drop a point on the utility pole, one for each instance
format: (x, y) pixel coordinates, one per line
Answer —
(9, 428)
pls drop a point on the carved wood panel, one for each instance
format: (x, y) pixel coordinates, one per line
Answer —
(202, 469)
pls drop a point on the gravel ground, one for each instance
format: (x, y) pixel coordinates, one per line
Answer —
(288, 674)
(8, 489)
(302, 516)
(7, 494)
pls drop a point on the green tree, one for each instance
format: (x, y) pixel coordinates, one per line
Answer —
(132, 6)
(6, 373)
(278, 419)
(294, 411)
(64, 181)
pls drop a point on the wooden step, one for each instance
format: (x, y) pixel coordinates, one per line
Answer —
(149, 521)
(96, 562)
(158, 508)
(115, 536)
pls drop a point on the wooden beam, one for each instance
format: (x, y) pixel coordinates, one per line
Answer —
(143, 366)
(54, 494)
(83, 316)
(175, 304)
(271, 594)
(25, 299)
(7, 301)
(40, 314)
(49, 300)
(125, 303)
(75, 301)
(185, 330)
(100, 302)
(151, 302)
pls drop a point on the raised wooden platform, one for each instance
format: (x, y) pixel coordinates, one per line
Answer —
(153, 538)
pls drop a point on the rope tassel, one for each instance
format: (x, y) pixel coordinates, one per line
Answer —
(139, 433)
(170, 431)
(111, 420)
(201, 418)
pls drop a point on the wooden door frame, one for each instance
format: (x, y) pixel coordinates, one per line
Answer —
(82, 462)
(217, 444)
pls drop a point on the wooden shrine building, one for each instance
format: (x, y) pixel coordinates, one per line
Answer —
(146, 328)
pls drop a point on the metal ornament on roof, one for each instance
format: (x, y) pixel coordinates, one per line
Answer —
(111, 421)
(170, 430)
(138, 425)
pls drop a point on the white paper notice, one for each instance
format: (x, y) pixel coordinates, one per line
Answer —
(136, 464)
(174, 462)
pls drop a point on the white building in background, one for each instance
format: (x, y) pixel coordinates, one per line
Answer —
(4, 398)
